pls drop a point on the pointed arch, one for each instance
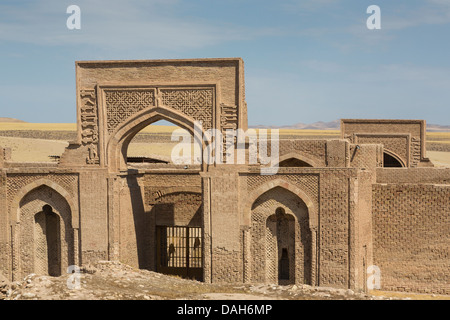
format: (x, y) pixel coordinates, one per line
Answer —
(394, 157)
(119, 140)
(306, 158)
(255, 194)
(15, 204)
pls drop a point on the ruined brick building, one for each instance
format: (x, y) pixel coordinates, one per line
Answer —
(333, 209)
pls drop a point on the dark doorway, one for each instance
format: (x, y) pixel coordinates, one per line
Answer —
(179, 251)
(391, 162)
(283, 268)
(47, 242)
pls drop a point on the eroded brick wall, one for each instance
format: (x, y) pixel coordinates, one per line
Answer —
(334, 228)
(411, 236)
(413, 175)
(5, 249)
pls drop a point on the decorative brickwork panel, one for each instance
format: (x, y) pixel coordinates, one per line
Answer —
(224, 263)
(122, 104)
(307, 182)
(271, 232)
(333, 229)
(89, 124)
(196, 103)
(411, 237)
(33, 240)
(15, 182)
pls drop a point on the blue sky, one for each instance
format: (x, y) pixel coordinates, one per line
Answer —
(305, 61)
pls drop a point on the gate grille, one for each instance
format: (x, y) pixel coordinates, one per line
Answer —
(180, 251)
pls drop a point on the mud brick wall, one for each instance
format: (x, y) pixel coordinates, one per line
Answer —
(363, 248)
(413, 175)
(366, 156)
(314, 150)
(225, 229)
(5, 249)
(93, 216)
(337, 153)
(411, 233)
(334, 228)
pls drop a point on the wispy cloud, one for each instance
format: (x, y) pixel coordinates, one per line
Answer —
(117, 25)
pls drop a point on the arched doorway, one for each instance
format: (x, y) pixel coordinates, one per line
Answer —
(47, 242)
(45, 237)
(281, 244)
(280, 239)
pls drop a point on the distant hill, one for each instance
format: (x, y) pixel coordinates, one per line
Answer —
(10, 120)
(437, 128)
(335, 125)
(320, 125)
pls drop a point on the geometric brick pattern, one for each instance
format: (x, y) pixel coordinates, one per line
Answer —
(411, 233)
(122, 104)
(196, 103)
(15, 182)
(309, 182)
(268, 236)
(33, 239)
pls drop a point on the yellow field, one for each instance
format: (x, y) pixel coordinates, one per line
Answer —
(6, 126)
(10, 126)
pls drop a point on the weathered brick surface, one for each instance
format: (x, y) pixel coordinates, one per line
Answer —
(411, 234)
(33, 250)
(333, 229)
(269, 236)
(413, 175)
(93, 216)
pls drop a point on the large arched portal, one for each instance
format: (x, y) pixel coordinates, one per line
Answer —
(280, 239)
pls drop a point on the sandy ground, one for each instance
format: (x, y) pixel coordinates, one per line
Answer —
(439, 159)
(115, 281)
(32, 150)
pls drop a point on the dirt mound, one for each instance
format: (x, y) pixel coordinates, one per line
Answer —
(115, 281)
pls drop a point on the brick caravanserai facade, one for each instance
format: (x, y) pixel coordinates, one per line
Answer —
(334, 208)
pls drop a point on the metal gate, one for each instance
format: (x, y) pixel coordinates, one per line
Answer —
(179, 251)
